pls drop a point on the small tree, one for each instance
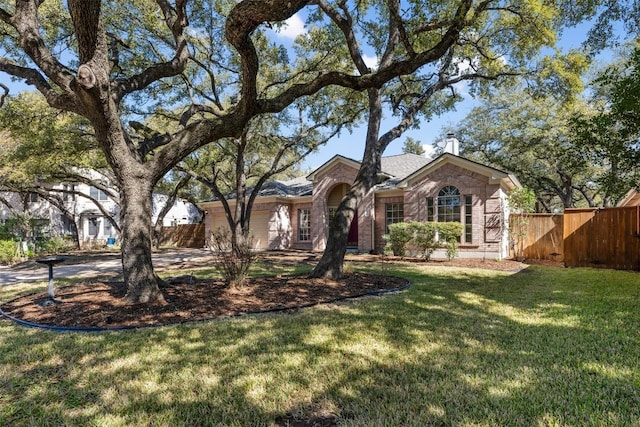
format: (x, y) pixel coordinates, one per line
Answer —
(397, 238)
(424, 238)
(449, 233)
(412, 146)
(523, 202)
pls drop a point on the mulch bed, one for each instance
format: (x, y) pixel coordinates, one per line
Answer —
(101, 304)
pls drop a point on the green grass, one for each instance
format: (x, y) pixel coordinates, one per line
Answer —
(556, 347)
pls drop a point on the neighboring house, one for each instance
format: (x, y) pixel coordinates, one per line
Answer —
(92, 224)
(295, 214)
(632, 198)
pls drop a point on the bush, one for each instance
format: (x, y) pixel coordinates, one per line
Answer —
(449, 233)
(423, 237)
(398, 237)
(232, 260)
(53, 245)
(9, 252)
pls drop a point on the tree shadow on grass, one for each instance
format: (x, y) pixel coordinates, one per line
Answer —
(459, 348)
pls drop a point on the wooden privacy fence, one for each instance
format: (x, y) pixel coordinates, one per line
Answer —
(602, 237)
(183, 236)
(543, 237)
(594, 237)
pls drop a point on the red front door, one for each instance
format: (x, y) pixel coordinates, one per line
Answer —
(352, 240)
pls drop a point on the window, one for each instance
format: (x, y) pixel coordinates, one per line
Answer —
(468, 219)
(33, 197)
(394, 213)
(449, 204)
(304, 224)
(67, 195)
(108, 230)
(97, 194)
(430, 210)
(448, 207)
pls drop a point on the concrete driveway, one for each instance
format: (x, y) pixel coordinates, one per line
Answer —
(105, 265)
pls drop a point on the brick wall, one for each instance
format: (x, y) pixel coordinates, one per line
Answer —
(486, 203)
(340, 173)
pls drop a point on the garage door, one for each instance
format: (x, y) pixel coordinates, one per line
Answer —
(258, 228)
(219, 221)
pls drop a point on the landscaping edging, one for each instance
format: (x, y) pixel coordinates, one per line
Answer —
(54, 328)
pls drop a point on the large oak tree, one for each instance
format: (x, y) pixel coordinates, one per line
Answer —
(107, 62)
(492, 39)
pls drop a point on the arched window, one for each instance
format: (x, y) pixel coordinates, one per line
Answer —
(449, 204)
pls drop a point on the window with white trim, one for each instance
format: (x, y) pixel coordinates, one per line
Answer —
(304, 224)
(450, 206)
(98, 194)
(394, 212)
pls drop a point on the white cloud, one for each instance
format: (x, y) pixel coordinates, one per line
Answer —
(370, 61)
(292, 28)
(430, 151)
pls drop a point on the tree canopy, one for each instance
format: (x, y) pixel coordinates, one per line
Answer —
(123, 65)
(572, 147)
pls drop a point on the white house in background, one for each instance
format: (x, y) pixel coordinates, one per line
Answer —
(92, 223)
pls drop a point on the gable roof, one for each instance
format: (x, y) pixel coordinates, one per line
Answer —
(496, 176)
(401, 170)
(403, 165)
(338, 158)
(295, 187)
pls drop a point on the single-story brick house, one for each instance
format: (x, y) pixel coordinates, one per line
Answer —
(295, 214)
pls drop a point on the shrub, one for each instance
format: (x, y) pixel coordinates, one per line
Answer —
(9, 252)
(53, 245)
(423, 237)
(233, 259)
(398, 237)
(449, 233)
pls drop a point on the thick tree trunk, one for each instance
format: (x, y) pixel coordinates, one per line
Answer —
(331, 263)
(135, 219)
(74, 231)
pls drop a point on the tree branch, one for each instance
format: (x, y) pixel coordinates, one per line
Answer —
(25, 21)
(176, 20)
(3, 96)
(152, 138)
(378, 78)
(243, 19)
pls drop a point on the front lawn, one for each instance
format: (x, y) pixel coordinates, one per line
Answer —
(544, 346)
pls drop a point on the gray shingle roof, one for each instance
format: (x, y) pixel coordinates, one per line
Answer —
(296, 187)
(397, 167)
(403, 165)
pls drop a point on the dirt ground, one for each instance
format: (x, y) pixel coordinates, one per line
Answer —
(100, 304)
